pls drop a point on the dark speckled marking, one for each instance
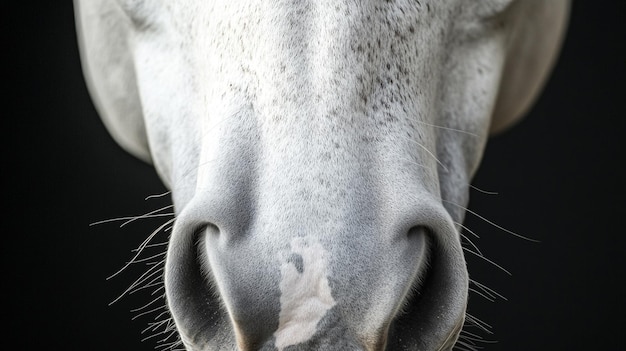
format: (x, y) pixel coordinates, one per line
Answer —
(296, 259)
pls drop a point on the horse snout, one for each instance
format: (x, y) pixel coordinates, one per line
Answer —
(280, 284)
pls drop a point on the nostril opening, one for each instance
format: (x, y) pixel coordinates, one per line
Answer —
(190, 293)
(420, 242)
(202, 259)
(207, 229)
(436, 304)
(419, 230)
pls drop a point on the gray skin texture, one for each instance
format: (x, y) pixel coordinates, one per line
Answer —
(319, 154)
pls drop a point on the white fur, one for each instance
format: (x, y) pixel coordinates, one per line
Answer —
(355, 124)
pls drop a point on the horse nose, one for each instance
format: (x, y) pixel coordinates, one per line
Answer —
(310, 261)
(266, 285)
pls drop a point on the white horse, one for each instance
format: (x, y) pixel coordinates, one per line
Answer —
(319, 154)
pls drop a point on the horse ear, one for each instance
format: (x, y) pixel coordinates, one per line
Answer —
(103, 34)
(535, 41)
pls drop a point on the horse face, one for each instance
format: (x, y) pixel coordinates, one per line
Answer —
(319, 155)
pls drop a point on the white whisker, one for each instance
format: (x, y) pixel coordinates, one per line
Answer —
(471, 244)
(467, 229)
(483, 191)
(142, 246)
(448, 128)
(492, 223)
(147, 275)
(149, 311)
(151, 214)
(129, 219)
(486, 288)
(485, 296)
(487, 260)
(157, 290)
(473, 321)
(465, 333)
(149, 258)
(157, 281)
(157, 195)
(466, 346)
(153, 245)
(428, 151)
(153, 326)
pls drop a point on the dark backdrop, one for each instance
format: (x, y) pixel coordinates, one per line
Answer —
(559, 175)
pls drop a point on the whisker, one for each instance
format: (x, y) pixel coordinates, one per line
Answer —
(157, 281)
(463, 332)
(153, 326)
(151, 253)
(485, 296)
(148, 304)
(483, 191)
(117, 219)
(142, 246)
(449, 128)
(165, 243)
(468, 346)
(428, 151)
(154, 336)
(150, 258)
(149, 311)
(147, 275)
(130, 219)
(492, 223)
(151, 214)
(472, 244)
(164, 324)
(158, 195)
(170, 345)
(486, 288)
(488, 260)
(473, 321)
(160, 315)
(475, 337)
(467, 229)
(157, 290)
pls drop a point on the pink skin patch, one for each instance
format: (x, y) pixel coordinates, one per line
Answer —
(305, 294)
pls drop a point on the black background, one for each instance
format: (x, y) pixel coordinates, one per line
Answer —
(559, 174)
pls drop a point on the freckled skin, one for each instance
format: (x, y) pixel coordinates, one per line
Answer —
(319, 154)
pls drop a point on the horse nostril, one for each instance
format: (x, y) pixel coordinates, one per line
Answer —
(206, 230)
(188, 285)
(437, 303)
(419, 230)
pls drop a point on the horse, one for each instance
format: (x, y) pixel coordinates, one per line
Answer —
(319, 154)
